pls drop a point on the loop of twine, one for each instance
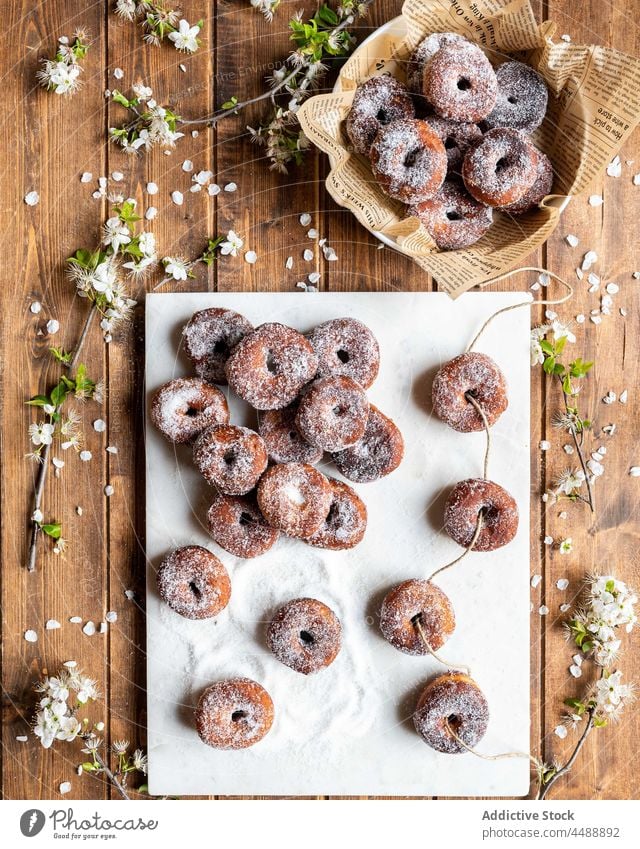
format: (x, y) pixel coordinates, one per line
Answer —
(508, 274)
(487, 431)
(417, 624)
(498, 757)
(469, 548)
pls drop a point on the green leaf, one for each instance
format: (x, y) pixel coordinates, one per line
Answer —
(120, 98)
(576, 704)
(549, 364)
(547, 347)
(88, 767)
(599, 722)
(39, 401)
(587, 645)
(60, 355)
(143, 788)
(610, 586)
(560, 344)
(566, 385)
(53, 530)
(59, 393)
(231, 103)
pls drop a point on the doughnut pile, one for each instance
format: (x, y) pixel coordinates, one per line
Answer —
(310, 397)
(454, 144)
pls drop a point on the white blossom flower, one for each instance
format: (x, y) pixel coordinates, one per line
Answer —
(566, 546)
(186, 37)
(139, 760)
(57, 688)
(120, 746)
(116, 233)
(41, 433)
(231, 245)
(46, 727)
(561, 330)
(537, 354)
(176, 267)
(610, 695)
(85, 688)
(126, 9)
(62, 77)
(68, 728)
(570, 480)
(142, 92)
(266, 7)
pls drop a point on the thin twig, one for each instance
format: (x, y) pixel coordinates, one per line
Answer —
(113, 778)
(544, 789)
(44, 457)
(578, 444)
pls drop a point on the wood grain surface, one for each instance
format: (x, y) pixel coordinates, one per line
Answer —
(48, 142)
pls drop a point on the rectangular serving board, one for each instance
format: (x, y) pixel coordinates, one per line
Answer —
(348, 729)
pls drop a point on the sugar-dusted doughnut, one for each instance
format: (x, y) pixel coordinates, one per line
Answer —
(377, 102)
(269, 367)
(346, 346)
(451, 701)
(540, 189)
(284, 441)
(183, 408)
(522, 98)
(476, 498)
(193, 582)
(457, 137)
(346, 520)
(471, 374)
(452, 217)
(424, 53)
(333, 413)
(460, 83)
(305, 635)
(416, 600)
(230, 458)
(378, 453)
(294, 498)
(408, 160)
(209, 337)
(234, 714)
(501, 168)
(238, 526)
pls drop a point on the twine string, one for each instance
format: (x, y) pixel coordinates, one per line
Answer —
(499, 757)
(487, 431)
(417, 624)
(546, 302)
(469, 548)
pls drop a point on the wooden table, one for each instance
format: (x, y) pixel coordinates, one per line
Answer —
(50, 142)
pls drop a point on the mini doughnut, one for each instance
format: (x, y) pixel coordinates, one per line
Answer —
(424, 53)
(453, 218)
(346, 521)
(346, 346)
(540, 189)
(377, 102)
(305, 635)
(230, 458)
(269, 367)
(460, 83)
(474, 497)
(469, 374)
(457, 137)
(408, 160)
(501, 168)
(378, 453)
(183, 408)
(522, 98)
(193, 582)
(333, 413)
(294, 498)
(456, 700)
(238, 526)
(411, 600)
(234, 714)
(283, 440)
(209, 337)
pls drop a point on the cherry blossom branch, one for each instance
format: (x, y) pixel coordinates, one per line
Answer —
(544, 788)
(43, 469)
(578, 446)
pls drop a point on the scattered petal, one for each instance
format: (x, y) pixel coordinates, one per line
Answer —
(86, 177)
(577, 659)
(543, 610)
(187, 165)
(230, 187)
(117, 176)
(52, 625)
(305, 219)
(535, 581)
(548, 540)
(609, 398)
(562, 583)
(614, 169)
(313, 233)
(130, 594)
(251, 257)
(177, 198)
(103, 628)
(76, 620)
(571, 240)
(595, 200)
(108, 490)
(111, 616)
(575, 671)
(560, 731)
(36, 307)
(85, 456)
(100, 425)
(111, 449)
(289, 263)
(564, 607)
(545, 445)
(612, 288)
(314, 277)
(588, 260)
(634, 471)
(65, 787)
(151, 213)
(623, 396)
(89, 629)
(213, 189)
(307, 255)
(21, 738)
(31, 636)
(152, 188)
(31, 198)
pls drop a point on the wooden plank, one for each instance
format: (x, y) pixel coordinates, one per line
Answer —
(50, 140)
(607, 541)
(179, 230)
